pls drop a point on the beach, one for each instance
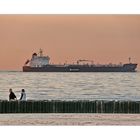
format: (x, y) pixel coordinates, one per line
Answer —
(70, 119)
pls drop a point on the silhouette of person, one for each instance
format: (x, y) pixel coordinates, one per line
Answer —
(23, 95)
(12, 96)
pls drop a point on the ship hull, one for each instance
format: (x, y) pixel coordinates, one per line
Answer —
(81, 68)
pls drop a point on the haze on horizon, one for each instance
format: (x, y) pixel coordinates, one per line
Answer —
(102, 38)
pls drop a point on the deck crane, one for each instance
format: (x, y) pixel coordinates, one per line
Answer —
(84, 60)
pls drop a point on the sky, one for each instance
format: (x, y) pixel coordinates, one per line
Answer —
(101, 38)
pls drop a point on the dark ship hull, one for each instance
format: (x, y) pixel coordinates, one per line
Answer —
(82, 68)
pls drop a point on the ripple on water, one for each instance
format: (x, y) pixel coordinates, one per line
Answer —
(72, 86)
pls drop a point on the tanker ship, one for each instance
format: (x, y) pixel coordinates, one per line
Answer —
(40, 63)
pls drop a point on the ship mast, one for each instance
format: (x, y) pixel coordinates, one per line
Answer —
(41, 52)
(129, 59)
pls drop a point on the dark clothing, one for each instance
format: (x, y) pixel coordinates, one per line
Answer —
(12, 96)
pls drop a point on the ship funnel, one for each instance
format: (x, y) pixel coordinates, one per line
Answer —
(34, 55)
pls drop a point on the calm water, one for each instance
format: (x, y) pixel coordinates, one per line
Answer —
(72, 86)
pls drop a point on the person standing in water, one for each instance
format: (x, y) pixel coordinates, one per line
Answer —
(12, 96)
(23, 95)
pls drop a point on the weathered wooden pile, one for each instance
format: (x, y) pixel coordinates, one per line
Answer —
(83, 106)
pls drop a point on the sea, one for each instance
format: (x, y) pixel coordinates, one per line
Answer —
(71, 86)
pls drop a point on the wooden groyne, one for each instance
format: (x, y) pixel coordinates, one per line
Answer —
(70, 106)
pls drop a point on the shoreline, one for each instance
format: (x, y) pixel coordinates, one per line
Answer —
(70, 119)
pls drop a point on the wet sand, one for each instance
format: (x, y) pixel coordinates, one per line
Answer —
(70, 119)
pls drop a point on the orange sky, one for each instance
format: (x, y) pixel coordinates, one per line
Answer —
(102, 38)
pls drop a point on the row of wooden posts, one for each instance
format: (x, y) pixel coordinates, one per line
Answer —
(98, 106)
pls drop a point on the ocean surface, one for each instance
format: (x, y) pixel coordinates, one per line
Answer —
(71, 86)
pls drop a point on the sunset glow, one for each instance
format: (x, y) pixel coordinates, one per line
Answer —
(102, 38)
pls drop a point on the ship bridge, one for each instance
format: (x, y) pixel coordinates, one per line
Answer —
(38, 60)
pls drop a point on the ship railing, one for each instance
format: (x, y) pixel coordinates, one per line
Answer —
(107, 65)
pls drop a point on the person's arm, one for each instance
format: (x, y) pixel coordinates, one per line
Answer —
(15, 97)
(21, 96)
